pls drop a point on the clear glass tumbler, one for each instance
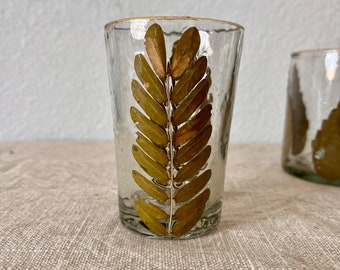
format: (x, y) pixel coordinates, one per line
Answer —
(172, 83)
(311, 148)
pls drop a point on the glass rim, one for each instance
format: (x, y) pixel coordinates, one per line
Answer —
(314, 51)
(108, 25)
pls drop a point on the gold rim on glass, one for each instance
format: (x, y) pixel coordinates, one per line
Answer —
(314, 51)
(170, 18)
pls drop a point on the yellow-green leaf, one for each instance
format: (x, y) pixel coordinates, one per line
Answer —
(193, 147)
(193, 126)
(149, 79)
(150, 188)
(155, 47)
(184, 51)
(189, 190)
(326, 147)
(191, 103)
(156, 153)
(188, 215)
(183, 211)
(151, 167)
(153, 210)
(150, 214)
(151, 130)
(189, 79)
(193, 166)
(152, 108)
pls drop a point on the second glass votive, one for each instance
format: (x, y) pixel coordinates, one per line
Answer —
(311, 147)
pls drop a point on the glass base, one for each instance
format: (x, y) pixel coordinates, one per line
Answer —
(310, 176)
(206, 224)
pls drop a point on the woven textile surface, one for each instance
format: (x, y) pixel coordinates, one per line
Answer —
(59, 210)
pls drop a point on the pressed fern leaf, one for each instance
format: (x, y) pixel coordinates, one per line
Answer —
(184, 51)
(326, 147)
(188, 151)
(189, 169)
(149, 79)
(174, 131)
(149, 187)
(191, 102)
(193, 126)
(155, 48)
(188, 215)
(155, 152)
(300, 121)
(151, 167)
(154, 132)
(152, 108)
(151, 214)
(189, 80)
(190, 190)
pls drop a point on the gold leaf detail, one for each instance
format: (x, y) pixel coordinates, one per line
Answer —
(149, 79)
(189, 190)
(188, 151)
(188, 215)
(149, 187)
(152, 108)
(150, 166)
(190, 78)
(149, 128)
(184, 51)
(191, 102)
(174, 130)
(326, 147)
(150, 214)
(155, 47)
(156, 153)
(193, 126)
(192, 167)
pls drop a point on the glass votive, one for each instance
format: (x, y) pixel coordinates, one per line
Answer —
(172, 83)
(311, 146)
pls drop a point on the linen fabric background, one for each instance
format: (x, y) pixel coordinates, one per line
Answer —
(59, 210)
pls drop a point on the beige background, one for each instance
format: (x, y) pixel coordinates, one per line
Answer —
(53, 75)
